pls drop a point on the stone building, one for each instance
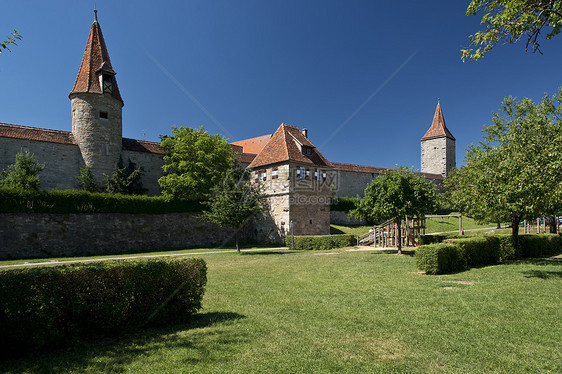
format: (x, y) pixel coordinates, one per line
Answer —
(297, 178)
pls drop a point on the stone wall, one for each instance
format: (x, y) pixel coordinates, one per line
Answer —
(351, 183)
(62, 161)
(152, 166)
(437, 155)
(25, 235)
(341, 218)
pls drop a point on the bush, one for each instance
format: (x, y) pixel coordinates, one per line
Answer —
(433, 239)
(53, 307)
(477, 251)
(73, 201)
(540, 245)
(438, 258)
(460, 254)
(344, 204)
(310, 242)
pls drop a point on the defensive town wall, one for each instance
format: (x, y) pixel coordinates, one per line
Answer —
(63, 163)
(27, 235)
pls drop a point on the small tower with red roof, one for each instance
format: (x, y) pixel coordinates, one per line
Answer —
(297, 180)
(96, 107)
(438, 147)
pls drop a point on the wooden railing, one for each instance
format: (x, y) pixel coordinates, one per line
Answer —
(385, 235)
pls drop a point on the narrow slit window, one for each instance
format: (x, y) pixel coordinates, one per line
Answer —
(104, 115)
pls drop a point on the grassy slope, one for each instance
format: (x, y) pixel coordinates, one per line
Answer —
(286, 312)
(442, 224)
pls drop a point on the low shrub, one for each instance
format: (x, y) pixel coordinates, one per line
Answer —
(459, 254)
(53, 307)
(477, 251)
(433, 238)
(344, 204)
(320, 242)
(438, 258)
(540, 245)
(73, 201)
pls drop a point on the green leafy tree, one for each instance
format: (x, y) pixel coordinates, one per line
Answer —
(507, 21)
(86, 180)
(23, 174)
(394, 195)
(12, 39)
(516, 171)
(125, 179)
(194, 163)
(234, 201)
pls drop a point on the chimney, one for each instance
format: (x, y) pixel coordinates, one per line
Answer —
(305, 133)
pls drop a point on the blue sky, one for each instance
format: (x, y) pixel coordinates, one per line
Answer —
(363, 76)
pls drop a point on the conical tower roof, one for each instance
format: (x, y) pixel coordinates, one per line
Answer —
(94, 61)
(438, 128)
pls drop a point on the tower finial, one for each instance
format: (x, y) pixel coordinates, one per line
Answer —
(438, 101)
(95, 13)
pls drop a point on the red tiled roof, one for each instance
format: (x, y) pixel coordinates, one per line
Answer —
(283, 146)
(65, 137)
(241, 156)
(35, 133)
(358, 168)
(253, 145)
(438, 128)
(376, 170)
(136, 145)
(95, 59)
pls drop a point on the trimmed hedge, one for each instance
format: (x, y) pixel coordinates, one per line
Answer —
(53, 307)
(311, 242)
(438, 258)
(461, 254)
(344, 204)
(73, 201)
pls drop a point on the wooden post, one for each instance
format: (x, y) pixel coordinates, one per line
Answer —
(461, 231)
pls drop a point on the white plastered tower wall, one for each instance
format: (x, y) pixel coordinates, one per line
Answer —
(438, 152)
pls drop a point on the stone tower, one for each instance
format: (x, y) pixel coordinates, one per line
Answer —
(438, 147)
(96, 107)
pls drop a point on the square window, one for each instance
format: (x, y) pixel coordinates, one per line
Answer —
(104, 115)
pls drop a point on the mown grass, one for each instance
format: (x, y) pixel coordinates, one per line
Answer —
(353, 312)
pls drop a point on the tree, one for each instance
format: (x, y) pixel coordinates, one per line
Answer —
(23, 174)
(86, 180)
(509, 20)
(516, 171)
(234, 201)
(12, 39)
(194, 163)
(125, 180)
(394, 195)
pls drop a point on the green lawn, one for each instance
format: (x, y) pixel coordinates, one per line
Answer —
(283, 311)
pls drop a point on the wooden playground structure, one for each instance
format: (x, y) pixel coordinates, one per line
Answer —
(385, 235)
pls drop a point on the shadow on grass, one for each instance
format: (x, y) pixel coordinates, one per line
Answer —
(114, 355)
(405, 252)
(335, 231)
(262, 253)
(541, 261)
(542, 274)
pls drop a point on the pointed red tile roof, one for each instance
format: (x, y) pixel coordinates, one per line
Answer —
(95, 59)
(438, 128)
(285, 145)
